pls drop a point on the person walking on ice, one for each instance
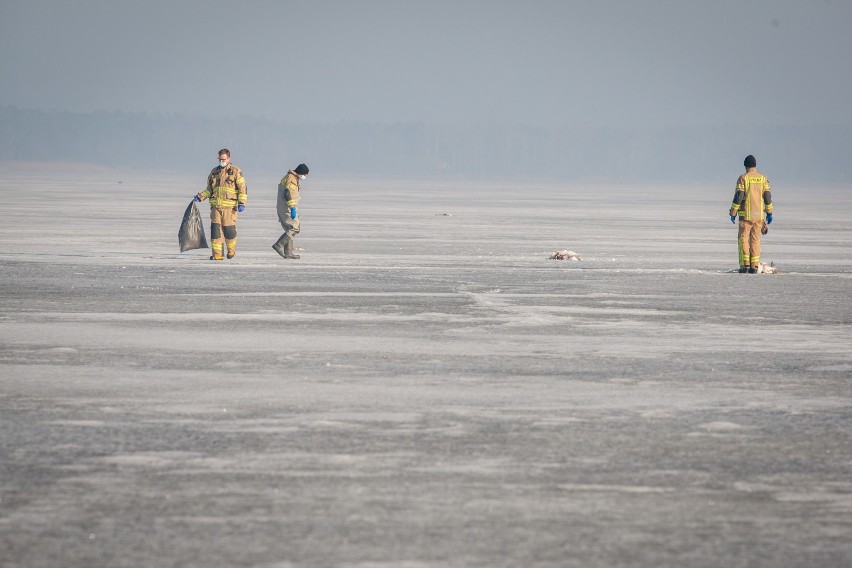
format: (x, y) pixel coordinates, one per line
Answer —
(226, 190)
(288, 215)
(752, 199)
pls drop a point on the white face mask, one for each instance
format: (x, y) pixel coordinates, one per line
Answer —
(302, 176)
(222, 163)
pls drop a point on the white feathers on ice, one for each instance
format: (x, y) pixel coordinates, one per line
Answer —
(565, 255)
(764, 268)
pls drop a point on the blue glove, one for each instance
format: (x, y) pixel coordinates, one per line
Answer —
(769, 218)
(292, 212)
(196, 199)
(734, 219)
(241, 208)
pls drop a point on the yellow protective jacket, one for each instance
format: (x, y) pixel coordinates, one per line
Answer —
(226, 187)
(752, 197)
(288, 194)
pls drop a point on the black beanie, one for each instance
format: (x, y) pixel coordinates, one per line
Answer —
(750, 162)
(302, 170)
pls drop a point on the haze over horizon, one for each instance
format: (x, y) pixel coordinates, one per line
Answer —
(546, 62)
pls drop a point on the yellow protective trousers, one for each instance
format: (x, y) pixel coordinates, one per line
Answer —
(749, 243)
(223, 229)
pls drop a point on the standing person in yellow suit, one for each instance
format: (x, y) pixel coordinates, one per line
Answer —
(288, 201)
(752, 199)
(226, 190)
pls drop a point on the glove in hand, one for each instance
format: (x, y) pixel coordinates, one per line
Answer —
(241, 208)
(196, 199)
(292, 212)
(769, 218)
(734, 219)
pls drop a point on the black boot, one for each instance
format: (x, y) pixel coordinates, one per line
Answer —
(288, 250)
(280, 246)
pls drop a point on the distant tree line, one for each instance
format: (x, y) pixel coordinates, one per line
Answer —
(815, 154)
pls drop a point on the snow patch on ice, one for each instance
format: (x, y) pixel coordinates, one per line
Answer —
(840, 368)
(62, 350)
(721, 426)
(600, 488)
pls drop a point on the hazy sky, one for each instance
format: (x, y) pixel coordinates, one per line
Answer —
(586, 62)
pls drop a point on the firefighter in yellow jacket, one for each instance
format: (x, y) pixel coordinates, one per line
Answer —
(287, 207)
(752, 199)
(226, 190)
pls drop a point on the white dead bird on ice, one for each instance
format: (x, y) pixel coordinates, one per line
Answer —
(764, 268)
(565, 255)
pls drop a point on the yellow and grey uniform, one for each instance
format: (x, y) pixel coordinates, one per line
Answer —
(226, 189)
(752, 199)
(288, 196)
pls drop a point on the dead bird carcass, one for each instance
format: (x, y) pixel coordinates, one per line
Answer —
(764, 268)
(565, 255)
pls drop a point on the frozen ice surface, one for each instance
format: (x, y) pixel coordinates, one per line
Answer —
(424, 387)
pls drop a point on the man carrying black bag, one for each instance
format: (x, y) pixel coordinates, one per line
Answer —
(227, 193)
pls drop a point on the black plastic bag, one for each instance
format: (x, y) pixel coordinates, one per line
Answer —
(191, 233)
